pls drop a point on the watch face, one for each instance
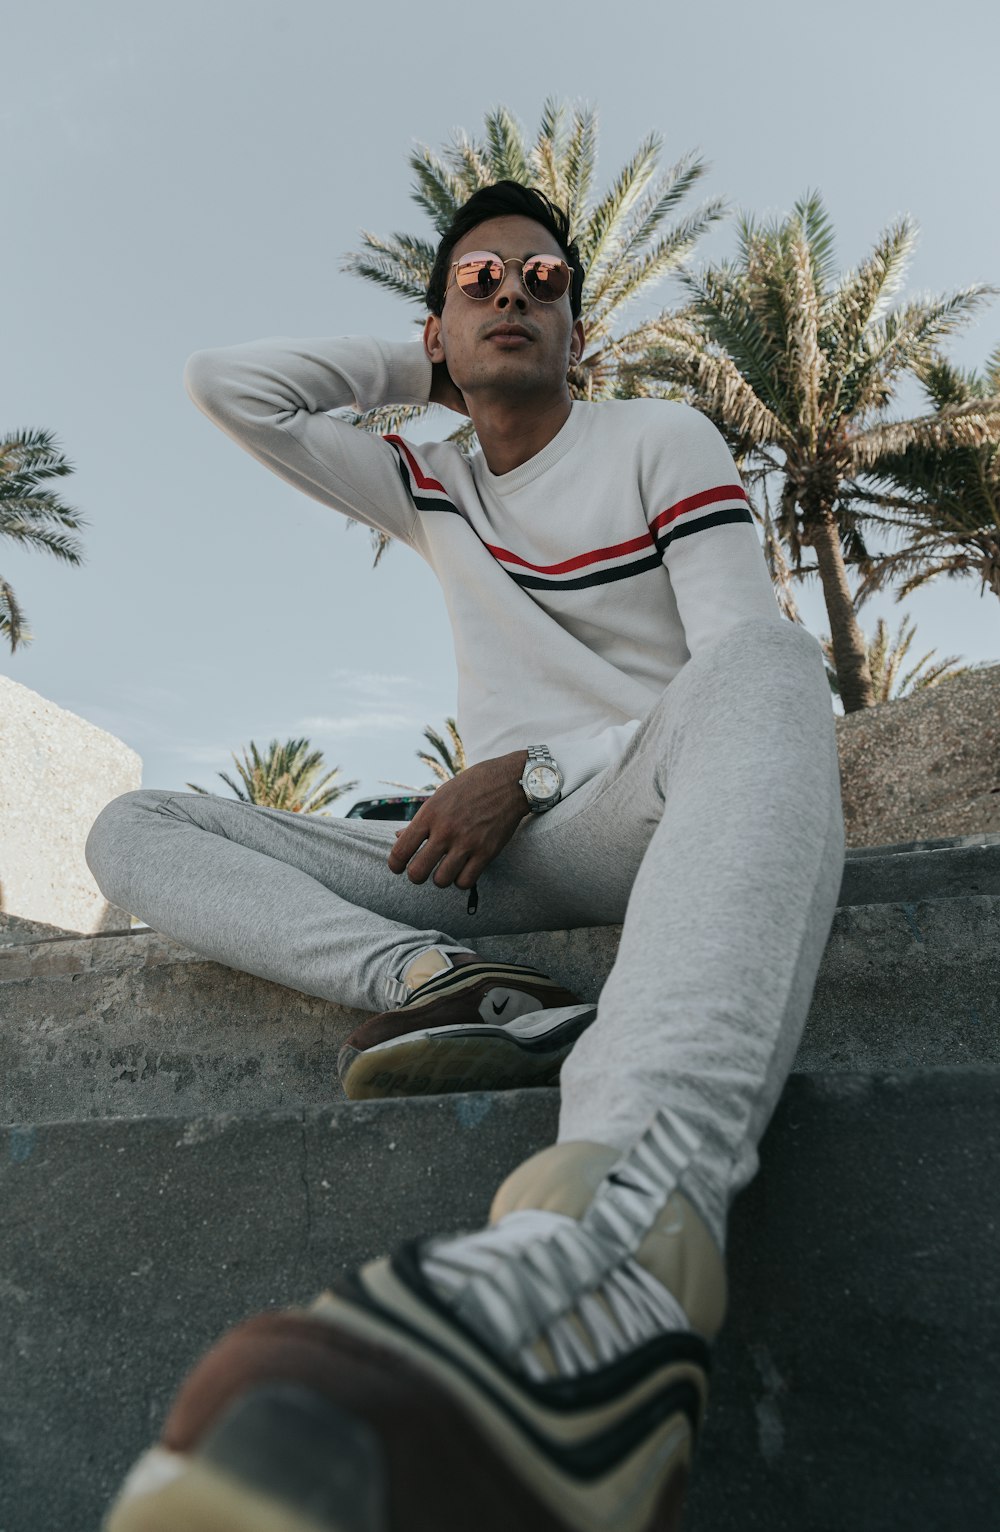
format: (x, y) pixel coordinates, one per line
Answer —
(542, 782)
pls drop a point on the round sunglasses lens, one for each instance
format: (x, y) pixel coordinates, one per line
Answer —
(479, 277)
(546, 280)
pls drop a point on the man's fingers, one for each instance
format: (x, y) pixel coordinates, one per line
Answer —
(449, 867)
(407, 843)
(423, 864)
(473, 871)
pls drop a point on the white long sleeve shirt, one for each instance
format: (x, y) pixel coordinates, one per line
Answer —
(577, 585)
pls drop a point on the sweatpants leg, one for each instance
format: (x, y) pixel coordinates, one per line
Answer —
(730, 909)
(304, 901)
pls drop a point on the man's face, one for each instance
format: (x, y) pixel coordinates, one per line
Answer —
(508, 344)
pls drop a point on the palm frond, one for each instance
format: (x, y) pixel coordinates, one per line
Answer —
(386, 419)
(903, 341)
(31, 535)
(437, 190)
(643, 265)
(974, 424)
(35, 453)
(806, 362)
(817, 227)
(992, 371)
(31, 516)
(470, 163)
(599, 238)
(723, 309)
(580, 165)
(286, 777)
(886, 657)
(508, 155)
(401, 264)
(12, 619)
(862, 295)
(715, 385)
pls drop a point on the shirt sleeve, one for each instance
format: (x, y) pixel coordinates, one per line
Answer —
(581, 759)
(701, 524)
(273, 397)
(702, 527)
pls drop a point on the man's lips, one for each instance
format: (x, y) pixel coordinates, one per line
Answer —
(509, 334)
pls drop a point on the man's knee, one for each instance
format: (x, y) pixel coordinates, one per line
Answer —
(753, 654)
(114, 831)
(765, 637)
(758, 666)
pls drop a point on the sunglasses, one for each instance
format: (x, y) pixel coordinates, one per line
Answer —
(544, 277)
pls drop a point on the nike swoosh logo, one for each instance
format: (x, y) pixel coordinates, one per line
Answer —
(498, 1009)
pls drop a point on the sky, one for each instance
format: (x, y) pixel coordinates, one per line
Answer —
(190, 176)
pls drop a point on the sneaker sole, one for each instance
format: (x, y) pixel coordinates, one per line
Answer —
(437, 1061)
(200, 1498)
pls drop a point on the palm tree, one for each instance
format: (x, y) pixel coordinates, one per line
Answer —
(943, 501)
(625, 241)
(798, 367)
(885, 662)
(32, 516)
(448, 761)
(285, 778)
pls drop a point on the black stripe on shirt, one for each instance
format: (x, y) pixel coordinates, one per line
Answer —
(599, 577)
(713, 519)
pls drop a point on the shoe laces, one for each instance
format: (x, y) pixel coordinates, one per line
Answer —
(559, 1296)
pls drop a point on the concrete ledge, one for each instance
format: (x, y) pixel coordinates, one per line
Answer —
(132, 1025)
(15, 930)
(934, 869)
(855, 1384)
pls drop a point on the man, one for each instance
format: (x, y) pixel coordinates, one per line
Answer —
(652, 744)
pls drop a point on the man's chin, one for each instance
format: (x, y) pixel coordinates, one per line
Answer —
(511, 374)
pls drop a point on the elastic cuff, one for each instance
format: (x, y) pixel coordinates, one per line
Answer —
(396, 993)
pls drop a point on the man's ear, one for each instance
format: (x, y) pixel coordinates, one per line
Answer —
(578, 340)
(433, 344)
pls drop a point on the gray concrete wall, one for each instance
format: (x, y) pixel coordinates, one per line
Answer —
(854, 1386)
(56, 774)
(110, 1026)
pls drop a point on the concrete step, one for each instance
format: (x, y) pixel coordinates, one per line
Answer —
(131, 1025)
(855, 1383)
(946, 868)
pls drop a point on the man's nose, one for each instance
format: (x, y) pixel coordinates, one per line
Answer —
(511, 290)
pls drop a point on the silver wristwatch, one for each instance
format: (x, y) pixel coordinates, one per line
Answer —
(542, 780)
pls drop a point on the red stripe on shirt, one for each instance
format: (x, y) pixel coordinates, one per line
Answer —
(695, 503)
(421, 479)
(579, 562)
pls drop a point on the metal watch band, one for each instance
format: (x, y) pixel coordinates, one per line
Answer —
(540, 755)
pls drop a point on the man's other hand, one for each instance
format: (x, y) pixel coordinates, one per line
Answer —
(464, 825)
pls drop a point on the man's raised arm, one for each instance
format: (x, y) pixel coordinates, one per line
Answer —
(273, 398)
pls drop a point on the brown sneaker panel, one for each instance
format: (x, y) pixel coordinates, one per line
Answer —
(277, 1347)
(442, 1472)
(455, 1010)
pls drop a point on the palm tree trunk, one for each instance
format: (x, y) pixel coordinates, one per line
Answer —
(850, 654)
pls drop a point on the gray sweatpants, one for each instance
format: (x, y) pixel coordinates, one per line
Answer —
(717, 839)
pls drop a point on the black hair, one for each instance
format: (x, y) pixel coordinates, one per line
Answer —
(505, 199)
